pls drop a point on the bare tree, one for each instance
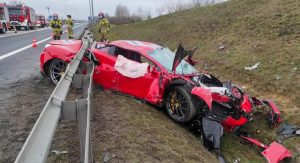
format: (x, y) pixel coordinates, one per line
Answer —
(173, 6)
(161, 10)
(179, 5)
(144, 14)
(122, 11)
(147, 14)
(196, 3)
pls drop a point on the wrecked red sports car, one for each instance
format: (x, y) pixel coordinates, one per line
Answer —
(157, 75)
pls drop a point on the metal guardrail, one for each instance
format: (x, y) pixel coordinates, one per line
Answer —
(37, 145)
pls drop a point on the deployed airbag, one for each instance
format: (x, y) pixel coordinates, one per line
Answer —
(130, 68)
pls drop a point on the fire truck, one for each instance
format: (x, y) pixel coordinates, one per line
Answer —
(40, 21)
(4, 18)
(21, 16)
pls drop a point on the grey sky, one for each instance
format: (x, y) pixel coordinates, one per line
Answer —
(79, 9)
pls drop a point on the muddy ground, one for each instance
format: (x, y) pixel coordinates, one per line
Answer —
(20, 106)
(123, 129)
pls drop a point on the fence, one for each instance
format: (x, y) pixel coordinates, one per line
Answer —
(36, 147)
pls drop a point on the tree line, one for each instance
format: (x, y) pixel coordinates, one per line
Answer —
(124, 16)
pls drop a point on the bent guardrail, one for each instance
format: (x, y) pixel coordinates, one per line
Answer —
(37, 144)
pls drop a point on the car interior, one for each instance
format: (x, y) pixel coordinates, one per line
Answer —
(134, 56)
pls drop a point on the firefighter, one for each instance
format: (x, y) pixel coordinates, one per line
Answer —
(56, 25)
(104, 27)
(70, 25)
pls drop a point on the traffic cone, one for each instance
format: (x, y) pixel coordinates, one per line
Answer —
(34, 45)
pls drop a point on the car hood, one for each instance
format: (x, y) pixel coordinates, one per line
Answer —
(63, 48)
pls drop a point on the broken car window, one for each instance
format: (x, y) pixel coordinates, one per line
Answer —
(165, 57)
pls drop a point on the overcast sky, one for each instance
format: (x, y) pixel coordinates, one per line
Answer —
(79, 9)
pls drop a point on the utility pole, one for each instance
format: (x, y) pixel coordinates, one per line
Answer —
(65, 9)
(48, 8)
(92, 4)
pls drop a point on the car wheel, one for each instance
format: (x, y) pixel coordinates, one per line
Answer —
(179, 105)
(57, 68)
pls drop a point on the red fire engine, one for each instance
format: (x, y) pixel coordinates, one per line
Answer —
(40, 21)
(21, 16)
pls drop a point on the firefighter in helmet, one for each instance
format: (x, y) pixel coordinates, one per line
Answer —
(70, 25)
(56, 25)
(104, 27)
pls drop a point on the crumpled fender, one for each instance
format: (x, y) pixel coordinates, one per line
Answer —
(204, 94)
(275, 112)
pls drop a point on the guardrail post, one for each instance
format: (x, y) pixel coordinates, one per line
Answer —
(82, 122)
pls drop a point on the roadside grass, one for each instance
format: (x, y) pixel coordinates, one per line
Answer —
(128, 130)
(251, 31)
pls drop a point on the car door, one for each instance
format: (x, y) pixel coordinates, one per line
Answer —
(142, 86)
(105, 73)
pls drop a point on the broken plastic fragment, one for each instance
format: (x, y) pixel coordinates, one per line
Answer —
(59, 152)
(253, 67)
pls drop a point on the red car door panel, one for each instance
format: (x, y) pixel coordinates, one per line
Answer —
(138, 87)
(105, 73)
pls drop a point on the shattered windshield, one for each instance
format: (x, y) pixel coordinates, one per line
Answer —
(165, 57)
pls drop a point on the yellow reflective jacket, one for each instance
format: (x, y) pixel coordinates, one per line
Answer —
(104, 26)
(69, 22)
(56, 24)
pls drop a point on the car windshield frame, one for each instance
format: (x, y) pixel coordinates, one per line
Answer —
(16, 11)
(165, 57)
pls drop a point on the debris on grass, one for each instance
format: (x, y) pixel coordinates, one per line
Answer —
(106, 157)
(222, 47)
(278, 77)
(237, 160)
(59, 152)
(252, 67)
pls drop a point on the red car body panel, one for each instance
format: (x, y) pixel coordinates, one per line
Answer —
(204, 94)
(64, 50)
(274, 153)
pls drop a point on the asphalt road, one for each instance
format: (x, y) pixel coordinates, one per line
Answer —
(18, 60)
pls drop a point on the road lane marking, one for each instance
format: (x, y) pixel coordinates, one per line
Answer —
(25, 32)
(29, 46)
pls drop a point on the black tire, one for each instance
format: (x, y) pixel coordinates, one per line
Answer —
(27, 28)
(56, 69)
(179, 104)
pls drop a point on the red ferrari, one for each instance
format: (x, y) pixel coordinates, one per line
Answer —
(155, 74)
